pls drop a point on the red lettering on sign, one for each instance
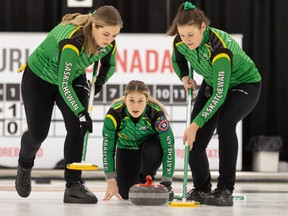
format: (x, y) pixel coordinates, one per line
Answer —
(212, 153)
(151, 56)
(14, 152)
(9, 152)
(149, 61)
(166, 63)
(121, 62)
(179, 153)
(40, 153)
(136, 62)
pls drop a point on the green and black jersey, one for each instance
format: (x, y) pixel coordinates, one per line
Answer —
(220, 61)
(121, 131)
(61, 58)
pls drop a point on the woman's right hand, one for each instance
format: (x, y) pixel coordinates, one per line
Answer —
(112, 190)
(189, 83)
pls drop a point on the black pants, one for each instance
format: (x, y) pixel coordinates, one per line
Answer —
(39, 97)
(132, 166)
(239, 103)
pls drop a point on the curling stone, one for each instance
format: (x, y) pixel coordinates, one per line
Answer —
(148, 193)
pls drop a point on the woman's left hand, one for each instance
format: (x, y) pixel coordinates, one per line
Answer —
(190, 134)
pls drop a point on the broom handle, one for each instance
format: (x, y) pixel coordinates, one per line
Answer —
(186, 155)
(90, 109)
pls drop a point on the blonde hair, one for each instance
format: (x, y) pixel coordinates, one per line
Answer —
(187, 17)
(103, 16)
(141, 87)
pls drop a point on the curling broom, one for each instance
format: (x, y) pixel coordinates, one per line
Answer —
(83, 165)
(182, 201)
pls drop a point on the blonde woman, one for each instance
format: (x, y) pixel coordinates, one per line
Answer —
(55, 74)
(136, 125)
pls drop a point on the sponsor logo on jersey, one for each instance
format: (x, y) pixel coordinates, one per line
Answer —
(206, 57)
(162, 124)
(143, 128)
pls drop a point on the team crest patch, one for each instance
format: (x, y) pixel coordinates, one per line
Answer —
(162, 124)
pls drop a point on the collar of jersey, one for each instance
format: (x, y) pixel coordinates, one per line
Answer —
(206, 36)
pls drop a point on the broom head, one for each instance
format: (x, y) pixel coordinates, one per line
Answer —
(181, 203)
(82, 166)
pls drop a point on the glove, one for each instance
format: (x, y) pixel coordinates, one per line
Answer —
(98, 86)
(168, 184)
(85, 122)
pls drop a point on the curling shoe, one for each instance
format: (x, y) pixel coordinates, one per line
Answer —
(78, 193)
(23, 181)
(220, 197)
(197, 195)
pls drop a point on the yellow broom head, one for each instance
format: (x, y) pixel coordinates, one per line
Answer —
(82, 166)
(180, 203)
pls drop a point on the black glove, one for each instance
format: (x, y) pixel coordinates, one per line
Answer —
(168, 184)
(98, 86)
(85, 122)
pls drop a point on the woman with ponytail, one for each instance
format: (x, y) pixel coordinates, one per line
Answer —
(230, 90)
(55, 74)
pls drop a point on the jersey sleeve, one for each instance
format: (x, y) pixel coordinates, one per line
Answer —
(69, 50)
(222, 67)
(108, 64)
(179, 62)
(109, 134)
(166, 137)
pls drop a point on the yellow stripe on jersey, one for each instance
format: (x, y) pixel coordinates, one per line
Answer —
(209, 50)
(177, 44)
(112, 119)
(121, 103)
(221, 55)
(70, 46)
(73, 32)
(114, 48)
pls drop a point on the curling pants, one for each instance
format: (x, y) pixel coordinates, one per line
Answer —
(39, 97)
(239, 103)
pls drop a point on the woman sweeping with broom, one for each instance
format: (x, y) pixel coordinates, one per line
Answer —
(55, 74)
(136, 128)
(230, 89)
